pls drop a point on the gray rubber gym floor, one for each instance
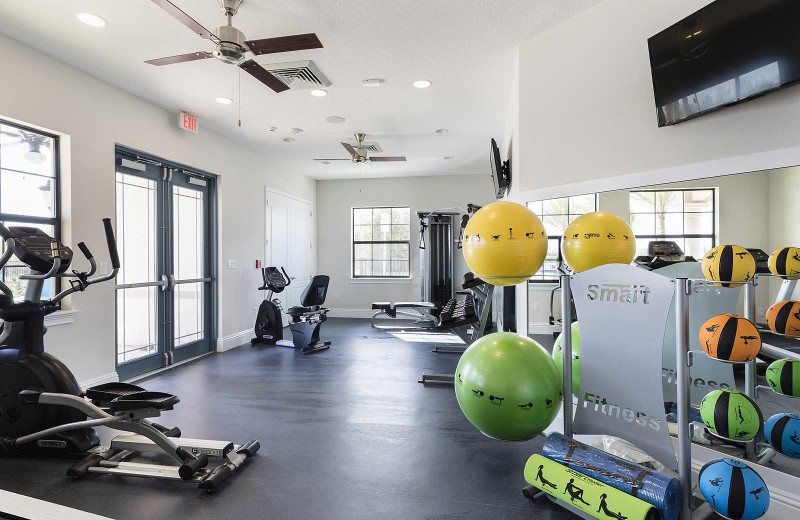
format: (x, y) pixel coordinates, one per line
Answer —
(345, 434)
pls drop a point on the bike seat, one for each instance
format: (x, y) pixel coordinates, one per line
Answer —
(141, 400)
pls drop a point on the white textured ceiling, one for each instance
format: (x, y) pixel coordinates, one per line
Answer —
(465, 47)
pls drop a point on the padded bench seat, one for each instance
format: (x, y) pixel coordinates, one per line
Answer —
(422, 310)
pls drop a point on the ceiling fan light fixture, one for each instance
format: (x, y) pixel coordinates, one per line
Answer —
(91, 19)
(422, 83)
(319, 92)
(224, 100)
(35, 157)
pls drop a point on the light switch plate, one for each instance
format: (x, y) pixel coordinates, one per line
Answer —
(231, 264)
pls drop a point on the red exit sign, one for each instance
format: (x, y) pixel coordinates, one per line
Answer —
(187, 122)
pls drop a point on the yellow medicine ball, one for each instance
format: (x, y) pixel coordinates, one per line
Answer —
(597, 238)
(504, 243)
(785, 262)
(729, 263)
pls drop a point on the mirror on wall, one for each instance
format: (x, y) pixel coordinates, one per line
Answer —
(756, 210)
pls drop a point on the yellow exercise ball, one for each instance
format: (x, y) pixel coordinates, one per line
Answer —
(728, 263)
(504, 243)
(785, 262)
(597, 238)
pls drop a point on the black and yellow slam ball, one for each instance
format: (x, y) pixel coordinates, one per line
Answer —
(729, 337)
(785, 262)
(783, 376)
(729, 264)
(504, 243)
(595, 239)
(783, 317)
(731, 415)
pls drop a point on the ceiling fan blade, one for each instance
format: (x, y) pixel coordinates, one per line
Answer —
(387, 159)
(298, 42)
(180, 58)
(352, 151)
(263, 75)
(185, 19)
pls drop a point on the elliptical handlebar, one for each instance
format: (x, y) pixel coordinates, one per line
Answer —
(83, 281)
(10, 244)
(286, 277)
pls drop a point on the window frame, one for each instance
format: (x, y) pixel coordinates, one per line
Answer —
(354, 242)
(535, 279)
(683, 212)
(54, 221)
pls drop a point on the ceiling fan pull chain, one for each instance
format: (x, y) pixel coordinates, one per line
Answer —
(240, 97)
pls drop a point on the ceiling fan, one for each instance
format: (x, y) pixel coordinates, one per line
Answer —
(231, 47)
(358, 153)
(34, 142)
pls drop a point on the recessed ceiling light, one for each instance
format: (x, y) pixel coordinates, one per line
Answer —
(449, 158)
(422, 83)
(325, 162)
(288, 139)
(335, 119)
(91, 19)
(442, 131)
(319, 92)
(372, 82)
(224, 100)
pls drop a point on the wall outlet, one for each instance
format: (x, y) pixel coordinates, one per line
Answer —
(760, 312)
(536, 307)
(231, 264)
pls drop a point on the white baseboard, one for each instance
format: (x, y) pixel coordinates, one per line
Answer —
(350, 313)
(234, 340)
(543, 328)
(111, 377)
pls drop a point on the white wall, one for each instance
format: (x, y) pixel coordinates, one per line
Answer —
(335, 199)
(95, 116)
(587, 109)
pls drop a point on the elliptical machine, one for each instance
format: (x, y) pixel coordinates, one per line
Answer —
(44, 413)
(306, 319)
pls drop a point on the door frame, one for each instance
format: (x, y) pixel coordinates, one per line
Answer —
(312, 232)
(213, 246)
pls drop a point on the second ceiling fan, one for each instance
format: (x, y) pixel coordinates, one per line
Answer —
(359, 153)
(230, 45)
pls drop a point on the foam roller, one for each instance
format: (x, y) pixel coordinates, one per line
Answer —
(585, 493)
(657, 489)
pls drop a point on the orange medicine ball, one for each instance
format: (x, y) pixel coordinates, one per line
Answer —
(729, 337)
(784, 318)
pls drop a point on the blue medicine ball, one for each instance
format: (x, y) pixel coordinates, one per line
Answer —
(734, 490)
(783, 434)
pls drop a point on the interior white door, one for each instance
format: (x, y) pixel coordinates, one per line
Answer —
(288, 242)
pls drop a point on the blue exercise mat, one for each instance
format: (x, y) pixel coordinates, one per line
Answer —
(658, 489)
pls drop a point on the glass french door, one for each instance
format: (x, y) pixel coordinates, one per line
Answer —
(164, 288)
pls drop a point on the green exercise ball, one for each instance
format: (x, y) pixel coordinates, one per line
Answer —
(731, 415)
(558, 356)
(783, 376)
(508, 386)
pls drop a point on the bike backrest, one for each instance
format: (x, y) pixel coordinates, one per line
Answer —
(315, 293)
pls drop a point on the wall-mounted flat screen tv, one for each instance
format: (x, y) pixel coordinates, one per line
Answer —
(726, 53)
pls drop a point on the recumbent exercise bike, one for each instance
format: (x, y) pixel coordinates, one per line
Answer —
(44, 413)
(306, 319)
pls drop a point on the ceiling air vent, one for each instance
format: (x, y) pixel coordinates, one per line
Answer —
(299, 75)
(369, 147)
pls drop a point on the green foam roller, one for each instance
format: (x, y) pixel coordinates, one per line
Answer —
(585, 493)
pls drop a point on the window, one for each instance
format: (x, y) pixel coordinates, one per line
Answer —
(556, 215)
(28, 191)
(381, 242)
(684, 216)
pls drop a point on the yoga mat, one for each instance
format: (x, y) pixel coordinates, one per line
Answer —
(585, 493)
(658, 489)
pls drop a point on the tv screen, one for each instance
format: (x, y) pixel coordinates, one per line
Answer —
(499, 172)
(726, 53)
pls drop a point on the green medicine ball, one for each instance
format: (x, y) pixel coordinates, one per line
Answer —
(508, 386)
(784, 377)
(558, 356)
(731, 415)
